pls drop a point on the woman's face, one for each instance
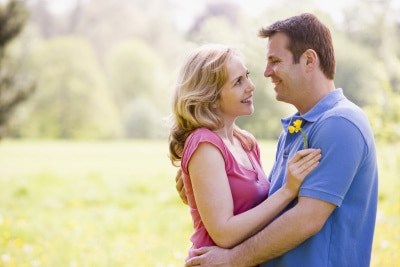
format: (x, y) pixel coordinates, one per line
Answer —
(237, 93)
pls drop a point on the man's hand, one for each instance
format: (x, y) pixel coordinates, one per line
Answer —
(179, 186)
(210, 256)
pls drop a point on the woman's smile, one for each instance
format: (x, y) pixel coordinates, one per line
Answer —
(248, 100)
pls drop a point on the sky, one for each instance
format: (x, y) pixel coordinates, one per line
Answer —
(188, 9)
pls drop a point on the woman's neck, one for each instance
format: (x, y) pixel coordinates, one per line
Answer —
(226, 134)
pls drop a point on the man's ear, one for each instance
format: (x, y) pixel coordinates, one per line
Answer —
(311, 57)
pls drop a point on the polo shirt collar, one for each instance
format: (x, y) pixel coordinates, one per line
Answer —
(313, 114)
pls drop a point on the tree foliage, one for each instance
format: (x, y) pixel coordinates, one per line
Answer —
(72, 100)
(15, 84)
(135, 70)
(113, 76)
(136, 73)
(376, 28)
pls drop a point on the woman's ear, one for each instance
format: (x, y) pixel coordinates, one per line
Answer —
(215, 105)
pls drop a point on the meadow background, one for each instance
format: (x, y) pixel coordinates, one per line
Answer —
(114, 204)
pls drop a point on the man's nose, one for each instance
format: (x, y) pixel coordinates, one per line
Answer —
(267, 71)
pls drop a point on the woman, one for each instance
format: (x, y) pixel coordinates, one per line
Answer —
(225, 185)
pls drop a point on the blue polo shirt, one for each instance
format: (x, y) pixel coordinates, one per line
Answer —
(347, 177)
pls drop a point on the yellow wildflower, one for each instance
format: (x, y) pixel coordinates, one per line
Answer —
(295, 128)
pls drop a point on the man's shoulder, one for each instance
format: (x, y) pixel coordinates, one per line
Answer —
(345, 119)
(345, 109)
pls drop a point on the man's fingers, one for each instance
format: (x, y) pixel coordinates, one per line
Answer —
(202, 250)
(195, 261)
(198, 260)
(189, 263)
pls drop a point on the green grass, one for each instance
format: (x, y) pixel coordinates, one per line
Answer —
(95, 204)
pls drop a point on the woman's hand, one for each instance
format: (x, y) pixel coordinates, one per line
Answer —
(300, 166)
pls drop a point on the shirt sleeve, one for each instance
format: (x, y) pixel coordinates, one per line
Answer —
(343, 149)
(194, 140)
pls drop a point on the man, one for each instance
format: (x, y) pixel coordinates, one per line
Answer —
(332, 222)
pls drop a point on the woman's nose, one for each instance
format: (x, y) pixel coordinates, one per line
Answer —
(251, 86)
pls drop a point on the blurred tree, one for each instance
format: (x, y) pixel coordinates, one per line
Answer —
(384, 114)
(143, 120)
(354, 73)
(226, 9)
(15, 85)
(105, 23)
(42, 18)
(376, 27)
(110, 25)
(136, 71)
(73, 100)
(147, 75)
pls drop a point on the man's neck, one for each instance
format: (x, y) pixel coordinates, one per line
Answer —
(314, 96)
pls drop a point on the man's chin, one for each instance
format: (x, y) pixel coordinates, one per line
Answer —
(280, 98)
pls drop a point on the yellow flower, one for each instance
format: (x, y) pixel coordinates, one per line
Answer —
(297, 124)
(295, 128)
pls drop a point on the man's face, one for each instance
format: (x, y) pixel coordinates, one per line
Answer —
(285, 75)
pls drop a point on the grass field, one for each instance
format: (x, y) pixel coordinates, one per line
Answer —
(113, 204)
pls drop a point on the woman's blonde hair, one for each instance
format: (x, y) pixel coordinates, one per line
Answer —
(197, 91)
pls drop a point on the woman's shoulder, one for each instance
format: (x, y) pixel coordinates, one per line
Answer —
(202, 130)
(203, 134)
(197, 137)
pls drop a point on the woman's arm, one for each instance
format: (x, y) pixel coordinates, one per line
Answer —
(214, 198)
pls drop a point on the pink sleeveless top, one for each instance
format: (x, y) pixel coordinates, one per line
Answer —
(249, 187)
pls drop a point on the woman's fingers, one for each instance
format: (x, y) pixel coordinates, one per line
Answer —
(306, 155)
(304, 162)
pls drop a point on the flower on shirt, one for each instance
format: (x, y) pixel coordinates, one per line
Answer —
(295, 128)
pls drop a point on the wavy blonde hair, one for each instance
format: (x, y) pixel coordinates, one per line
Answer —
(197, 91)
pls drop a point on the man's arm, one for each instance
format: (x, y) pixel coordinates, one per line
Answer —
(286, 232)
